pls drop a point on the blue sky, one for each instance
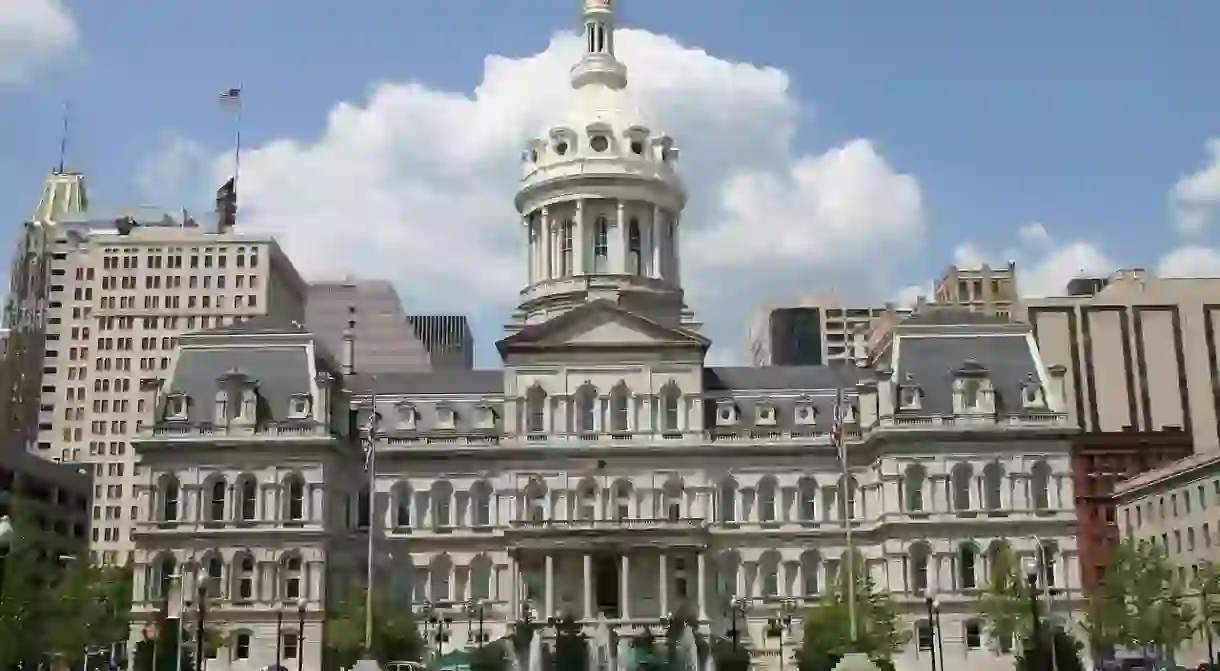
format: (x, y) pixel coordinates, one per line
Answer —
(1079, 116)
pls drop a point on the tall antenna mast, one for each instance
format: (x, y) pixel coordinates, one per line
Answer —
(63, 137)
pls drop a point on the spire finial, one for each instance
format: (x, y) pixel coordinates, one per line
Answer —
(598, 65)
(63, 137)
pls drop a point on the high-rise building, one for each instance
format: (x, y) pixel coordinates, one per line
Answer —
(605, 473)
(447, 338)
(95, 306)
(812, 331)
(54, 498)
(370, 311)
(1139, 354)
(981, 289)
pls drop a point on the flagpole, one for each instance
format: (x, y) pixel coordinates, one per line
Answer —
(237, 147)
(371, 466)
(849, 510)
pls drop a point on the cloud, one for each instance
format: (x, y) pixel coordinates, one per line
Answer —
(1033, 234)
(33, 32)
(1044, 264)
(1190, 261)
(1195, 198)
(163, 176)
(416, 185)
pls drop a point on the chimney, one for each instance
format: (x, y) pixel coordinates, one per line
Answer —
(226, 206)
(348, 357)
(1058, 395)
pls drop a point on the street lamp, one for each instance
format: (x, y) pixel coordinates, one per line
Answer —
(301, 605)
(476, 609)
(1031, 577)
(933, 604)
(778, 625)
(201, 662)
(737, 605)
(279, 637)
(6, 538)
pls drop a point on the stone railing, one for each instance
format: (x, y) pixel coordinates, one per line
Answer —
(623, 523)
(289, 429)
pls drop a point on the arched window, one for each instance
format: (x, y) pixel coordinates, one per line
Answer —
(442, 504)
(671, 493)
(671, 404)
(214, 574)
(480, 495)
(292, 578)
(811, 566)
(586, 403)
(963, 475)
(618, 407)
(248, 491)
(1040, 482)
(565, 249)
(807, 492)
(633, 247)
(586, 500)
(970, 394)
(439, 575)
(245, 578)
(601, 245)
(993, 485)
(171, 494)
(296, 498)
(767, 508)
(919, 554)
(164, 572)
(535, 410)
(216, 501)
(728, 500)
(241, 646)
(913, 483)
(622, 500)
(480, 578)
(1050, 557)
(403, 502)
(848, 490)
(536, 501)
(769, 567)
(967, 555)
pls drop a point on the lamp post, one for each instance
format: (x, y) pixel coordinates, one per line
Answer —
(301, 605)
(1031, 577)
(279, 637)
(6, 538)
(933, 605)
(475, 609)
(201, 662)
(736, 605)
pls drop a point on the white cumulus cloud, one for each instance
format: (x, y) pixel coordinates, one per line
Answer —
(415, 185)
(33, 32)
(1190, 261)
(1195, 198)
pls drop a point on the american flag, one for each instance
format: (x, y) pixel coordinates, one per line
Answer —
(230, 96)
(371, 444)
(836, 423)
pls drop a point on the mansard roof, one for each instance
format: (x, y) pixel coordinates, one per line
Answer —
(934, 361)
(803, 378)
(278, 372)
(443, 382)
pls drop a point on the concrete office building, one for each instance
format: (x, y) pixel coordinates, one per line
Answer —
(54, 498)
(1177, 507)
(811, 331)
(447, 338)
(372, 312)
(1141, 377)
(96, 304)
(981, 289)
(606, 472)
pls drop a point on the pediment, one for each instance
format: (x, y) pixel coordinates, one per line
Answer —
(601, 324)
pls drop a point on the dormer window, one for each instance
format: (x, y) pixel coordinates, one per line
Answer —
(1032, 393)
(805, 414)
(726, 413)
(406, 417)
(973, 391)
(599, 143)
(299, 406)
(765, 415)
(177, 407)
(910, 394)
(446, 418)
(485, 418)
(561, 147)
(637, 147)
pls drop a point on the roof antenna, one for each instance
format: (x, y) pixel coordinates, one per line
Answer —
(63, 137)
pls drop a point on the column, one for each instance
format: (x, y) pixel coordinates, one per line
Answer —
(701, 582)
(675, 258)
(624, 588)
(663, 582)
(655, 247)
(580, 240)
(599, 411)
(550, 585)
(532, 244)
(632, 420)
(588, 586)
(618, 247)
(545, 236)
(514, 587)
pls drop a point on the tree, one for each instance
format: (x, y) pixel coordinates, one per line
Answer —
(1037, 657)
(87, 608)
(1140, 602)
(490, 657)
(827, 635)
(23, 603)
(1208, 584)
(396, 636)
(729, 657)
(571, 648)
(157, 647)
(1004, 601)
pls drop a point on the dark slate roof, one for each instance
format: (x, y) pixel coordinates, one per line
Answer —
(950, 316)
(931, 362)
(477, 382)
(279, 372)
(779, 377)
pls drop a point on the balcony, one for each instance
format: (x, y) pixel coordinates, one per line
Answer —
(617, 533)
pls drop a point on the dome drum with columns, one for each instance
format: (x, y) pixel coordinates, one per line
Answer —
(606, 472)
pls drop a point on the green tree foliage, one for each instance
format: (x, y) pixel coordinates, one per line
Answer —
(490, 657)
(396, 637)
(1004, 601)
(1036, 655)
(571, 649)
(23, 600)
(827, 635)
(729, 657)
(155, 650)
(97, 603)
(1208, 584)
(1140, 602)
